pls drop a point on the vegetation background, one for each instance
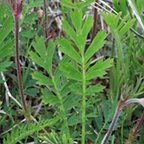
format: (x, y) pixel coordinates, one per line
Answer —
(71, 71)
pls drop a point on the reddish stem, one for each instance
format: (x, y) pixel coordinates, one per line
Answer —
(17, 9)
(18, 67)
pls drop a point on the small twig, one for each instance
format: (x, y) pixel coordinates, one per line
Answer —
(95, 60)
(38, 109)
(2, 112)
(8, 93)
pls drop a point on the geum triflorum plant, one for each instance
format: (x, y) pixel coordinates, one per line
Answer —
(68, 86)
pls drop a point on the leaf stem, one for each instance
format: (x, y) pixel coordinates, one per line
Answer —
(64, 117)
(83, 100)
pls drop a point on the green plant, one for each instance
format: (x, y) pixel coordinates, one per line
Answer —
(25, 130)
(120, 72)
(65, 73)
(76, 68)
(82, 72)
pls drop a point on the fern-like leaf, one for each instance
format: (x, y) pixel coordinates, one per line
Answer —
(25, 130)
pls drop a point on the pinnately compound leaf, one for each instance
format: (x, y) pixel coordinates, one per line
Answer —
(96, 44)
(76, 16)
(71, 72)
(25, 130)
(69, 50)
(41, 79)
(99, 69)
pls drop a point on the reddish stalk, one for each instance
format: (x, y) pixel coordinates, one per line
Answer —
(17, 9)
(122, 104)
(18, 67)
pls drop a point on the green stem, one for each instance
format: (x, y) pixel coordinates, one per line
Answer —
(83, 101)
(64, 117)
